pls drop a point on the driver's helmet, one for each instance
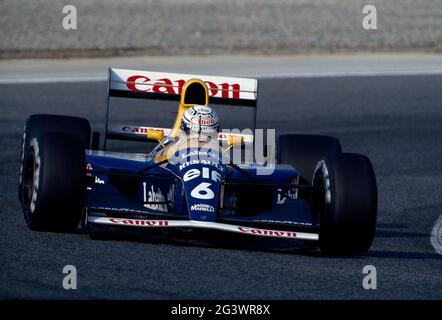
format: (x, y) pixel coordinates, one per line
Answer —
(200, 119)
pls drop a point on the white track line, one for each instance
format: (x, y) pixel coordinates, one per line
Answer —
(52, 80)
(97, 78)
(352, 74)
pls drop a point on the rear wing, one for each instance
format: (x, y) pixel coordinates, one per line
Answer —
(241, 92)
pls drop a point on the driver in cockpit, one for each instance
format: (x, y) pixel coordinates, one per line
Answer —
(200, 120)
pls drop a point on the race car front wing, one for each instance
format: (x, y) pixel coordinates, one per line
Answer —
(246, 230)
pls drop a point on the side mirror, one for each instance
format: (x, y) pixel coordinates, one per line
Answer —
(155, 134)
(235, 140)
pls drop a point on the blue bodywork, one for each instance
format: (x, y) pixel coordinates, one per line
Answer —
(194, 184)
(191, 185)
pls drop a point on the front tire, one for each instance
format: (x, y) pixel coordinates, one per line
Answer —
(39, 123)
(54, 182)
(345, 199)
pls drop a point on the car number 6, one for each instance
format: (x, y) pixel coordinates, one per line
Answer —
(202, 191)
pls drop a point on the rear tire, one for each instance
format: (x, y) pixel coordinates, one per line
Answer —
(54, 182)
(345, 199)
(303, 151)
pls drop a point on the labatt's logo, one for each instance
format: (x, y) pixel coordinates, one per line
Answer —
(155, 196)
(139, 83)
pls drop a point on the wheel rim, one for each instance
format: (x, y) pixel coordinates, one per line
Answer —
(28, 180)
(319, 201)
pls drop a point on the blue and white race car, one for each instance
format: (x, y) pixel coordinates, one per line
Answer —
(312, 193)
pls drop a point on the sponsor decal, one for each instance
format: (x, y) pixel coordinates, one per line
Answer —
(99, 181)
(271, 233)
(281, 199)
(203, 122)
(203, 190)
(153, 195)
(199, 224)
(138, 222)
(202, 207)
(205, 162)
(284, 222)
(199, 154)
(140, 130)
(205, 173)
(142, 83)
(202, 110)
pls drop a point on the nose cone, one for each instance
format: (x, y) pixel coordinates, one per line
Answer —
(202, 173)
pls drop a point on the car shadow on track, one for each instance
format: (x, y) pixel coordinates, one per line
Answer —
(211, 239)
(220, 240)
(400, 234)
(391, 230)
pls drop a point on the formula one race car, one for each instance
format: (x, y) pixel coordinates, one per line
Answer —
(314, 193)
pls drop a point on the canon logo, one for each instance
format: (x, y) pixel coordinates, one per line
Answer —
(203, 122)
(272, 233)
(139, 83)
(143, 130)
(137, 222)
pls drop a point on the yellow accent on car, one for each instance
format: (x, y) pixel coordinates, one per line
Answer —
(235, 140)
(194, 92)
(153, 134)
(191, 95)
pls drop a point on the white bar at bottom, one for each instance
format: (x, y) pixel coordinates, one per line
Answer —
(145, 223)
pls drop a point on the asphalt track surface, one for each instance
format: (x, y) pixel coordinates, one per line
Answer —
(395, 120)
